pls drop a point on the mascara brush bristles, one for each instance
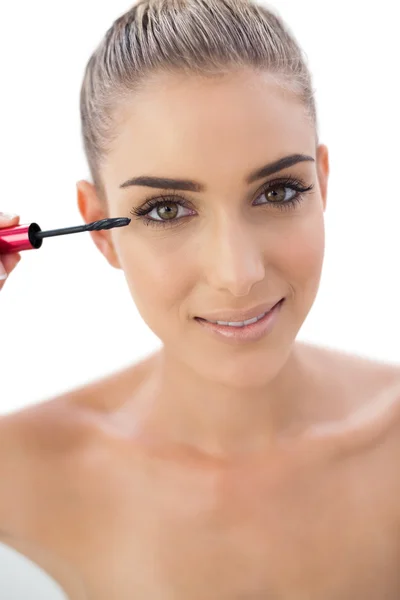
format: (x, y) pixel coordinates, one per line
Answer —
(95, 226)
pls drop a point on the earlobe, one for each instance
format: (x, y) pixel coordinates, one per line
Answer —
(93, 209)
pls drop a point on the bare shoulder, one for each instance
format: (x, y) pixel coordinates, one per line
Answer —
(34, 443)
(349, 360)
(365, 393)
(70, 421)
(50, 445)
(362, 376)
(50, 427)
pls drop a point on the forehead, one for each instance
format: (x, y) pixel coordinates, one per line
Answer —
(188, 125)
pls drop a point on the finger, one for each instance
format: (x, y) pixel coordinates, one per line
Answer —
(10, 261)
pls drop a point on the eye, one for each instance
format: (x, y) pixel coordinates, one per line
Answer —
(278, 197)
(162, 211)
(167, 211)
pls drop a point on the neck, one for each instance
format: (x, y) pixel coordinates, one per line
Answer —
(216, 419)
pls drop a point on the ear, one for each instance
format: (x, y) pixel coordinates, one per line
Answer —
(323, 171)
(92, 208)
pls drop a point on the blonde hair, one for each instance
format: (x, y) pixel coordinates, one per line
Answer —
(202, 37)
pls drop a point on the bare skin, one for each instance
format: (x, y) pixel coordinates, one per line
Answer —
(111, 514)
(210, 471)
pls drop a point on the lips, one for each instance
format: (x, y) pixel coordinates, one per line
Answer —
(238, 334)
(240, 317)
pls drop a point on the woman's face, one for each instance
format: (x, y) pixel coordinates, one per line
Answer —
(228, 243)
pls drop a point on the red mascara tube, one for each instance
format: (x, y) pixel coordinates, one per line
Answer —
(30, 236)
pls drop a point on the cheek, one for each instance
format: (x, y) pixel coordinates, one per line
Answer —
(304, 255)
(157, 277)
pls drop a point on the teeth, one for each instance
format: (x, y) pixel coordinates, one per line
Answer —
(239, 323)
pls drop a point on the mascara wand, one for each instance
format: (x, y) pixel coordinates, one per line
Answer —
(30, 236)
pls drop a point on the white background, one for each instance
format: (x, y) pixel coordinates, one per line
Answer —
(66, 316)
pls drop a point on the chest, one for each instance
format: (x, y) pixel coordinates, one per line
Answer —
(250, 534)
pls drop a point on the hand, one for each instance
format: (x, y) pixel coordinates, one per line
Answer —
(8, 262)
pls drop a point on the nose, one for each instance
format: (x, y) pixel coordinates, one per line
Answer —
(234, 259)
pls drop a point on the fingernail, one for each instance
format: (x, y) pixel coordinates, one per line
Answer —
(4, 215)
(3, 273)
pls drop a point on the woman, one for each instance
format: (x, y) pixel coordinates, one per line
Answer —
(236, 462)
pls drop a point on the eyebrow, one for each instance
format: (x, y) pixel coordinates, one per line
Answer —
(194, 186)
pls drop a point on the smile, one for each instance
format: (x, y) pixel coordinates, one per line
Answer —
(238, 323)
(234, 332)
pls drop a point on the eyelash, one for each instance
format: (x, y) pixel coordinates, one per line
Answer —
(292, 183)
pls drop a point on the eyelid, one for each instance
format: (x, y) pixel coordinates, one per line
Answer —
(166, 197)
(284, 180)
